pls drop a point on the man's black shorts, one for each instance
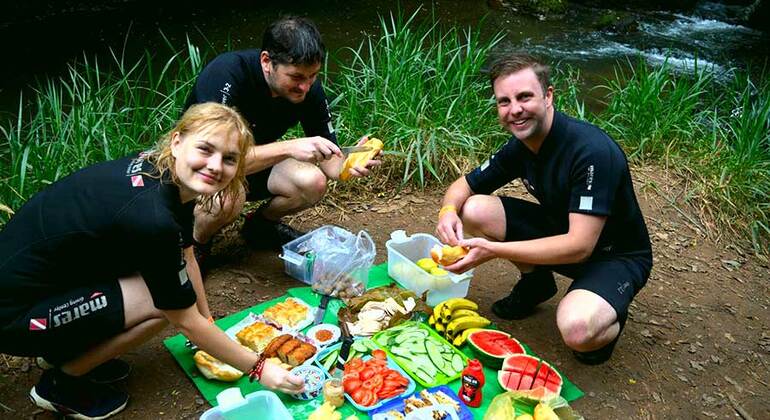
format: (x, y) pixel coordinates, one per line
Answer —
(62, 327)
(617, 278)
(258, 185)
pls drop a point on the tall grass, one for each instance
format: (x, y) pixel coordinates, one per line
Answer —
(93, 113)
(717, 133)
(419, 87)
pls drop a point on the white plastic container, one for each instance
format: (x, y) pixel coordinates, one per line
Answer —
(234, 406)
(404, 251)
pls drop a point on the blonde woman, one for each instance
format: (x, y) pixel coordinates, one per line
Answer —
(100, 261)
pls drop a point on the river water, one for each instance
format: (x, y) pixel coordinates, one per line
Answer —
(38, 46)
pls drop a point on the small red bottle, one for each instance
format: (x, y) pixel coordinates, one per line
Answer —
(472, 382)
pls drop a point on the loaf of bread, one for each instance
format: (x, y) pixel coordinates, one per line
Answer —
(212, 368)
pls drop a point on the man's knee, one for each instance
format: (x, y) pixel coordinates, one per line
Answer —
(583, 318)
(481, 215)
(576, 329)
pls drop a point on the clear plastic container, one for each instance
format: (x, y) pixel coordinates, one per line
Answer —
(260, 404)
(404, 251)
(334, 261)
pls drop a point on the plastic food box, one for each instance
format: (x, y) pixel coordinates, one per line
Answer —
(439, 378)
(397, 405)
(391, 364)
(232, 406)
(304, 263)
(404, 251)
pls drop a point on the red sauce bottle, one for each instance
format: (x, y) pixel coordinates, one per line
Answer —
(472, 382)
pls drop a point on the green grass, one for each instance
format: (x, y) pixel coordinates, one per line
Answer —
(419, 87)
(716, 133)
(93, 113)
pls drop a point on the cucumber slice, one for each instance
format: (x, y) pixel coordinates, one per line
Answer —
(434, 354)
(423, 376)
(359, 346)
(369, 344)
(424, 363)
(330, 359)
(400, 351)
(457, 363)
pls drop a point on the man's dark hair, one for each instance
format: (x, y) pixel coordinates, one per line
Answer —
(293, 40)
(507, 63)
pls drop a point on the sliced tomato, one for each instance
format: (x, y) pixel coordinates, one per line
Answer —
(358, 396)
(351, 385)
(367, 373)
(369, 398)
(374, 383)
(379, 354)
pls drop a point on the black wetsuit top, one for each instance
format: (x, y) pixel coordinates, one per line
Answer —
(236, 79)
(578, 169)
(101, 223)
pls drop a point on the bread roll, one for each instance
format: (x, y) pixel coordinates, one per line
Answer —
(212, 368)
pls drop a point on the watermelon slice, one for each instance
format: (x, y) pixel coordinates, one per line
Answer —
(522, 372)
(493, 346)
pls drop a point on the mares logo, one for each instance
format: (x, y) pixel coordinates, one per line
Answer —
(97, 303)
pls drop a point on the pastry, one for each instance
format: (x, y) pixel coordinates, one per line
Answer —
(212, 368)
(288, 313)
(286, 348)
(301, 353)
(272, 349)
(257, 336)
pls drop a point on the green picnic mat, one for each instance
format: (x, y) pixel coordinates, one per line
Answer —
(378, 276)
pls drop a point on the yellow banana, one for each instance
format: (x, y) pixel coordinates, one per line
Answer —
(446, 314)
(466, 332)
(459, 313)
(431, 320)
(437, 311)
(440, 327)
(461, 324)
(460, 303)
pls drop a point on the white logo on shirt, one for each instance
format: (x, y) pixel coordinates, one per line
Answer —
(590, 178)
(586, 203)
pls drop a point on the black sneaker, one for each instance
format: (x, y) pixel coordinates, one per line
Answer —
(260, 233)
(598, 356)
(532, 289)
(75, 397)
(108, 372)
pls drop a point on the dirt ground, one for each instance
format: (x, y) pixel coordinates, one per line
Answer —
(697, 344)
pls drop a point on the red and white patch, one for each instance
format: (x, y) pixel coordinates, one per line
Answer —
(137, 181)
(96, 294)
(37, 324)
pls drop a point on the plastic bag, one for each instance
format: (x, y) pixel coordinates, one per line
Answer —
(341, 261)
(509, 405)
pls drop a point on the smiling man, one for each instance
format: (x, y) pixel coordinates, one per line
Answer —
(586, 223)
(274, 89)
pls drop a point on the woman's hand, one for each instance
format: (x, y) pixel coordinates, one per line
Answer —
(277, 378)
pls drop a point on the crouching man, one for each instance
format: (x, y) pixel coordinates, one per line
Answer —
(586, 223)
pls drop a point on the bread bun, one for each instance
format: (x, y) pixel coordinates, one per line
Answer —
(212, 368)
(447, 255)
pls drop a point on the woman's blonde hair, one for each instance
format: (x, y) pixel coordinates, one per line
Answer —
(206, 117)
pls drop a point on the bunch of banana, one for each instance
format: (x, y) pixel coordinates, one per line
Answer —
(454, 317)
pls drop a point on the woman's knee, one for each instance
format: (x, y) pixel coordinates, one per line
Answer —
(311, 184)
